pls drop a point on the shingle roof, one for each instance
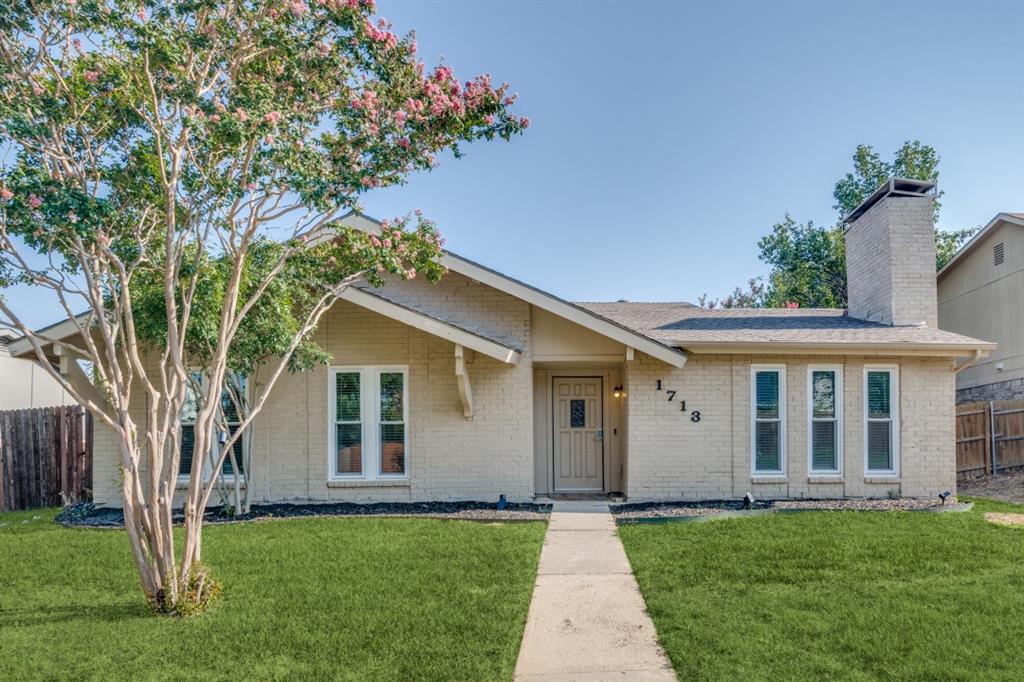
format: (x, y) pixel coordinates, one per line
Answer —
(683, 324)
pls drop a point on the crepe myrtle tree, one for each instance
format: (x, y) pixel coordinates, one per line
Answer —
(203, 148)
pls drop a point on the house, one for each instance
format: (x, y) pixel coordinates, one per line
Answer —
(23, 383)
(981, 293)
(482, 385)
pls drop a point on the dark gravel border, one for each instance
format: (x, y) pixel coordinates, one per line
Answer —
(90, 516)
(657, 512)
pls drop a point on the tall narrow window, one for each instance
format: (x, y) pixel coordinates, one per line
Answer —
(825, 409)
(369, 408)
(348, 424)
(232, 419)
(768, 387)
(188, 425)
(881, 421)
(392, 424)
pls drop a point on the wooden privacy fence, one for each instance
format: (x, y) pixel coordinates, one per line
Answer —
(989, 438)
(45, 457)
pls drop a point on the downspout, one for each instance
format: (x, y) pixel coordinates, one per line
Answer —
(978, 355)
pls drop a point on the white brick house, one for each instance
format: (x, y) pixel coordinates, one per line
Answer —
(482, 385)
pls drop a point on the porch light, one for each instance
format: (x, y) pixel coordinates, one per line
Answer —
(943, 495)
(618, 392)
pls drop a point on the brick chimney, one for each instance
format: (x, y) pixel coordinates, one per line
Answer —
(890, 255)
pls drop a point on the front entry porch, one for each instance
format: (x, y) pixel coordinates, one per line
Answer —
(579, 441)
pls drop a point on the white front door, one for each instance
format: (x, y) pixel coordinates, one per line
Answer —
(578, 413)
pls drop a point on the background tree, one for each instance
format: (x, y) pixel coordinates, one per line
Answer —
(808, 262)
(204, 149)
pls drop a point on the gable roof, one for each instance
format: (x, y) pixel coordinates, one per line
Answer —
(979, 236)
(542, 299)
(817, 330)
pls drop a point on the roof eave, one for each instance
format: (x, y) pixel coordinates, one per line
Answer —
(944, 350)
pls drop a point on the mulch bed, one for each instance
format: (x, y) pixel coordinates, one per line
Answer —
(88, 515)
(1006, 487)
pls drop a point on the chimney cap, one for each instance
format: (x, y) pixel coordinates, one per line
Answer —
(893, 187)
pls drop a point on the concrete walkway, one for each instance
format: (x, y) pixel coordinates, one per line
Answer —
(587, 620)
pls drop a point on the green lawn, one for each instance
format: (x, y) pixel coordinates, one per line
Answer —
(837, 595)
(345, 599)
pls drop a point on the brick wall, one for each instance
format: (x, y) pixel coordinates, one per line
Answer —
(890, 263)
(449, 457)
(672, 457)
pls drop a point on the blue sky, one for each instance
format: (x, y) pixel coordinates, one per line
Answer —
(667, 137)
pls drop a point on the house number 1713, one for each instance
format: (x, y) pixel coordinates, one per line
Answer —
(694, 415)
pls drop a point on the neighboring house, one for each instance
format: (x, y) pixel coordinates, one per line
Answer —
(482, 385)
(23, 383)
(981, 293)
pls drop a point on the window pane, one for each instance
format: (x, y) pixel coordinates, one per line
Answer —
(577, 413)
(188, 441)
(879, 395)
(190, 408)
(350, 448)
(228, 406)
(767, 450)
(824, 393)
(392, 449)
(823, 446)
(237, 447)
(880, 446)
(347, 396)
(391, 397)
(767, 395)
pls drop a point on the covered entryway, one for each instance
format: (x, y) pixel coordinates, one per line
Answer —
(578, 445)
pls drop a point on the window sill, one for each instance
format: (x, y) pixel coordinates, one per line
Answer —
(882, 478)
(825, 478)
(182, 483)
(769, 478)
(364, 483)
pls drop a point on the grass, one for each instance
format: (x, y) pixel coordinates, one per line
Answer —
(837, 595)
(332, 599)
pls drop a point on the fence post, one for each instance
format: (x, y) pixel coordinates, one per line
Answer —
(992, 434)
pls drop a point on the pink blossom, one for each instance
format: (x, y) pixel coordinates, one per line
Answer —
(792, 304)
(298, 7)
(324, 49)
(250, 186)
(300, 144)
(6, 194)
(141, 14)
(411, 273)
(403, 142)
(272, 117)
(34, 201)
(92, 76)
(400, 116)
(242, 115)
(36, 90)
(374, 240)
(489, 120)
(77, 44)
(215, 118)
(269, 139)
(386, 243)
(525, 122)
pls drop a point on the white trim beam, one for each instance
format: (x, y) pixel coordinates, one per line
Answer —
(462, 379)
(73, 373)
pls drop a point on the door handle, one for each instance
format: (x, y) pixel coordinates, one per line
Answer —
(600, 435)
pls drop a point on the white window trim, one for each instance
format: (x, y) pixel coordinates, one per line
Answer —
(754, 471)
(838, 371)
(369, 412)
(207, 468)
(894, 417)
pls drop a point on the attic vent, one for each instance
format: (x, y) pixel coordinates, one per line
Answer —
(998, 254)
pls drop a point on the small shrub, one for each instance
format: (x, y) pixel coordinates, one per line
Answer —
(201, 591)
